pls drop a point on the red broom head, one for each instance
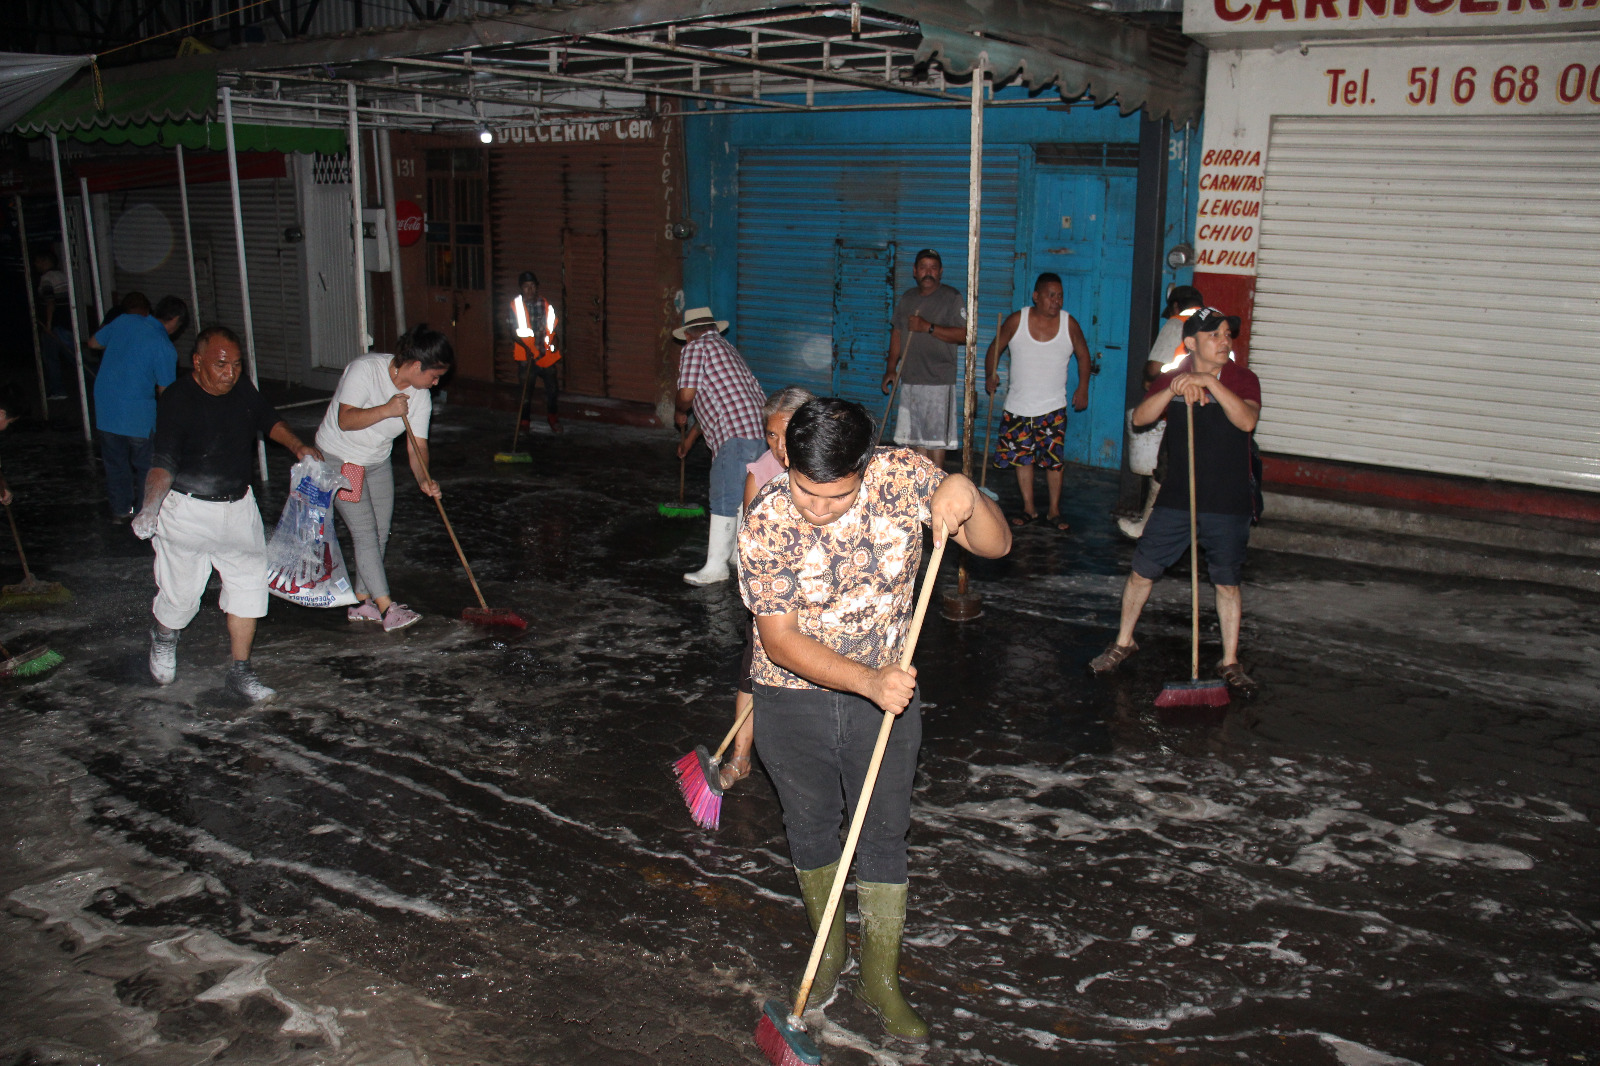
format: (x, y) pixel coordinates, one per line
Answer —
(782, 1043)
(1194, 694)
(701, 787)
(494, 616)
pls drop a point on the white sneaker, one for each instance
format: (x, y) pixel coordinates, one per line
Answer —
(244, 682)
(163, 657)
(398, 616)
(719, 548)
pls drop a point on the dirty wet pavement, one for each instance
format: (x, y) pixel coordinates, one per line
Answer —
(454, 845)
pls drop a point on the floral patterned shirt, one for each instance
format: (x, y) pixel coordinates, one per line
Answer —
(852, 581)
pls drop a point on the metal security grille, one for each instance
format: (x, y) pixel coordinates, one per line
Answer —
(1426, 296)
(330, 169)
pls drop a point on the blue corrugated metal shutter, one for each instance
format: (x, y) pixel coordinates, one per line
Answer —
(803, 208)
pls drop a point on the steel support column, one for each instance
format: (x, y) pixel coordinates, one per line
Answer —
(72, 289)
(244, 272)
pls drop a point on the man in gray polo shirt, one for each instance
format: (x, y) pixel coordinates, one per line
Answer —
(934, 316)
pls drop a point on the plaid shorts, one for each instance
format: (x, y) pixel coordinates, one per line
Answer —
(1039, 441)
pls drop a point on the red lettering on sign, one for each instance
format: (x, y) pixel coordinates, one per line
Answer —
(1533, 5)
(1479, 7)
(1325, 8)
(1284, 8)
(1228, 14)
(1377, 7)
(407, 223)
(1434, 7)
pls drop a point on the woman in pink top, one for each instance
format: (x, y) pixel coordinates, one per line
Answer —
(775, 413)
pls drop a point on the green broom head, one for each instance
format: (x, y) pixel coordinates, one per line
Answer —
(512, 457)
(32, 663)
(27, 595)
(680, 510)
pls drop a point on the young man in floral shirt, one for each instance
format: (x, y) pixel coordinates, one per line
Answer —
(828, 560)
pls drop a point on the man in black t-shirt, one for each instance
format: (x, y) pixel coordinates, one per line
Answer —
(1227, 400)
(199, 507)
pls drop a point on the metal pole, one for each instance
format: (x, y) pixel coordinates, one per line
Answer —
(188, 241)
(355, 232)
(94, 253)
(386, 150)
(33, 313)
(244, 272)
(72, 289)
(963, 605)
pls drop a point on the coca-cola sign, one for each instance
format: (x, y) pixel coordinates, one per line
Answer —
(407, 222)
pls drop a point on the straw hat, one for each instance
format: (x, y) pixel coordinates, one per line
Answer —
(698, 316)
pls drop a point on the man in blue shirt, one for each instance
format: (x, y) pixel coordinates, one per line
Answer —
(139, 363)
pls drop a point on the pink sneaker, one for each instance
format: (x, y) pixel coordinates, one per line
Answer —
(398, 616)
(365, 611)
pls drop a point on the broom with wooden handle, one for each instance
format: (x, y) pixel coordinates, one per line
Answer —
(483, 614)
(699, 780)
(780, 1033)
(1193, 692)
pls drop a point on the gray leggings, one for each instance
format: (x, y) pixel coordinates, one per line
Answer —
(368, 522)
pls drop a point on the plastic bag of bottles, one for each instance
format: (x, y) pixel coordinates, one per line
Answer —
(304, 563)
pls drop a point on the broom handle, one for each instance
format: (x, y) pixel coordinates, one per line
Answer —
(17, 539)
(412, 437)
(988, 423)
(866, 788)
(1194, 557)
(899, 368)
(737, 725)
(527, 379)
(682, 460)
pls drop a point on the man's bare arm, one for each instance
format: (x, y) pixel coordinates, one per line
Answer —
(888, 687)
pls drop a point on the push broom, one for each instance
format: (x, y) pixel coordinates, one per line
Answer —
(1193, 692)
(699, 781)
(988, 428)
(31, 663)
(888, 408)
(680, 509)
(483, 614)
(30, 591)
(514, 456)
(780, 1033)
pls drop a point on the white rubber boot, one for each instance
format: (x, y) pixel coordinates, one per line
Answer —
(718, 550)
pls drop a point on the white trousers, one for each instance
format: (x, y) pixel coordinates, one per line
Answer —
(194, 537)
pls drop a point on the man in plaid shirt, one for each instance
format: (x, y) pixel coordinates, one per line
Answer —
(715, 383)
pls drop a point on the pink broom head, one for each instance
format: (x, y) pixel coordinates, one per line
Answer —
(494, 616)
(701, 787)
(784, 1044)
(1194, 694)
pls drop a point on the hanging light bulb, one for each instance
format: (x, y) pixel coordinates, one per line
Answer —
(484, 135)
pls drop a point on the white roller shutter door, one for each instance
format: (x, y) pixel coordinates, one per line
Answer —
(1428, 295)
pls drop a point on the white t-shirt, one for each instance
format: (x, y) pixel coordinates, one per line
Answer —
(366, 384)
(1039, 370)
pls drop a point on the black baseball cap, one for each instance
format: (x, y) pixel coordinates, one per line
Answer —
(928, 253)
(1207, 320)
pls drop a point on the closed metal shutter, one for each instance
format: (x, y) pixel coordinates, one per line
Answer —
(591, 222)
(1427, 295)
(818, 225)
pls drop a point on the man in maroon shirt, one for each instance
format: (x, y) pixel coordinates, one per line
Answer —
(1228, 404)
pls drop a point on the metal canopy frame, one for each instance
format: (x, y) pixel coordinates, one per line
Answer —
(620, 59)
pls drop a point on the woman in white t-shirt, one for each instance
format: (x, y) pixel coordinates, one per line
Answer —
(363, 420)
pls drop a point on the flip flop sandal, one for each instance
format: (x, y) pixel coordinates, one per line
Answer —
(1055, 522)
(1112, 657)
(1023, 518)
(736, 769)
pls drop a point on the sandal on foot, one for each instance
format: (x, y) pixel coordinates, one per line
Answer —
(733, 771)
(1056, 522)
(1023, 518)
(1242, 684)
(1112, 657)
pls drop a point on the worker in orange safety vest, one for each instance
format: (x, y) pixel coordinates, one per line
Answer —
(534, 348)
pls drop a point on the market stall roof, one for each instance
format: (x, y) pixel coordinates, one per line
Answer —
(26, 79)
(602, 59)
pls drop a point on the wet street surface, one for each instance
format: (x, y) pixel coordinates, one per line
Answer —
(462, 845)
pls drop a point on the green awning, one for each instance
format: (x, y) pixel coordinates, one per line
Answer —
(169, 111)
(73, 111)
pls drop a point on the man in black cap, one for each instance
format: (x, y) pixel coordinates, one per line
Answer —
(1227, 400)
(1165, 354)
(934, 316)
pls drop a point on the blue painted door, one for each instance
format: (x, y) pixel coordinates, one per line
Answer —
(1083, 230)
(863, 300)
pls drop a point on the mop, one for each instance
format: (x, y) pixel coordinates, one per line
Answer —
(30, 591)
(780, 1033)
(1193, 692)
(483, 614)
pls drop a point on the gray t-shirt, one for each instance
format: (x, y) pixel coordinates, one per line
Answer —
(929, 360)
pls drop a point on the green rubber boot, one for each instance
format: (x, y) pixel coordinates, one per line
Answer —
(883, 919)
(814, 887)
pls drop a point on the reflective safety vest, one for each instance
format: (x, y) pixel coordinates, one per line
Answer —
(541, 346)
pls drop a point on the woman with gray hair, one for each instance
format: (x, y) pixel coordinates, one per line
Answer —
(775, 415)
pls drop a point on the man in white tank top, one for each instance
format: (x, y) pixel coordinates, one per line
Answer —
(1043, 342)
